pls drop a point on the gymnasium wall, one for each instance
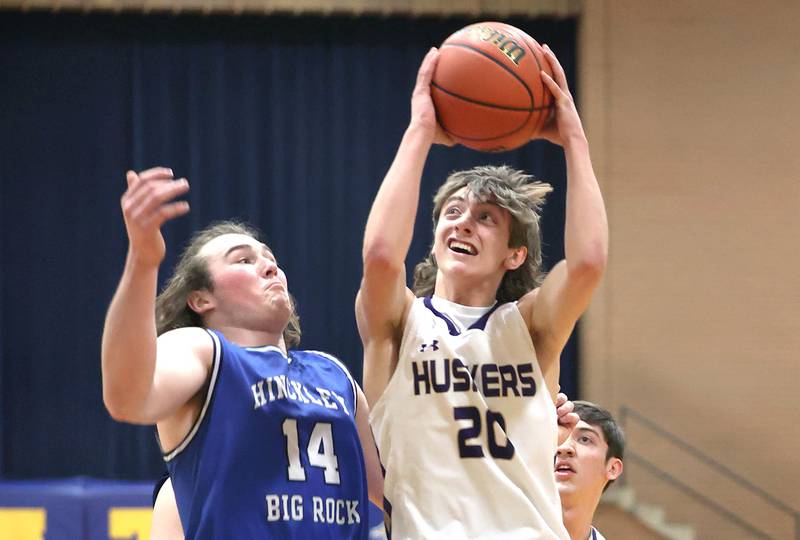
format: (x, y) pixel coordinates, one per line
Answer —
(692, 113)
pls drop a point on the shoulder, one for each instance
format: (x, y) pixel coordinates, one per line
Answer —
(329, 359)
(190, 341)
(325, 358)
(190, 336)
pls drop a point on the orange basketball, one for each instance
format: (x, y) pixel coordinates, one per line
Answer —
(487, 87)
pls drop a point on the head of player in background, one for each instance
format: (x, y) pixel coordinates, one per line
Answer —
(226, 277)
(485, 226)
(590, 459)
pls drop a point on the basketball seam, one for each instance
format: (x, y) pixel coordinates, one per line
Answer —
(517, 77)
(485, 104)
(542, 118)
(493, 59)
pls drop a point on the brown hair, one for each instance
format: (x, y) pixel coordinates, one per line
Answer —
(191, 274)
(594, 415)
(522, 197)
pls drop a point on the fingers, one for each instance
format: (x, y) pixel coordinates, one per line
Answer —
(131, 178)
(564, 408)
(569, 420)
(561, 398)
(552, 85)
(555, 66)
(426, 69)
(162, 173)
(149, 200)
(165, 213)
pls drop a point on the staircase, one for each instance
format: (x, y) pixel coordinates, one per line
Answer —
(620, 516)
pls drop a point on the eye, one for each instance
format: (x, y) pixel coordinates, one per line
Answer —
(585, 439)
(452, 211)
(488, 217)
(245, 260)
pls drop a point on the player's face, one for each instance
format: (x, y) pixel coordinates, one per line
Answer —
(581, 467)
(471, 239)
(250, 290)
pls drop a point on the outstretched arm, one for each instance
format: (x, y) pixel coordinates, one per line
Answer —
(383, 297)
(129, 350)
(566, 292)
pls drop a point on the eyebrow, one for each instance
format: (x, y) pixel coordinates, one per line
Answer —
(589, 429)
(249, 247)
(478, 202)
(234, 248)
(452, 198)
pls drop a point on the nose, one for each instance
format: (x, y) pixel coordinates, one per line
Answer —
(464, 222)
(269, 267)
(565, 450)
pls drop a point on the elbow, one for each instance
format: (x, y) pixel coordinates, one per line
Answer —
(116, 409)
(592, 265)
(121, 410)
(380, 260)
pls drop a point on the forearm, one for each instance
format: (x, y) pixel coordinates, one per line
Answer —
(586, 229)
(390, 225)
(129, 341)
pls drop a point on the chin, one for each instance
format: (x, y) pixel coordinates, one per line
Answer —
(565, 488)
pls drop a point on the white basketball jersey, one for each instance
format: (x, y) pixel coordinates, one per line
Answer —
(467, 431)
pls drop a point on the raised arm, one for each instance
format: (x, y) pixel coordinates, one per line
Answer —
(565, 294)
(383, 297)
(133, 389)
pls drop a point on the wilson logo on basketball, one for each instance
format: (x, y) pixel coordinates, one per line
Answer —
(505, 44)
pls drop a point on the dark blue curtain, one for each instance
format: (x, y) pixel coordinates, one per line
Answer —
(288, 123)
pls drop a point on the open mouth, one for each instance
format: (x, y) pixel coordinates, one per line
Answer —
(562, 469)
(462, 247)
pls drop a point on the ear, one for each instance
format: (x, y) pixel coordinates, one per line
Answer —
(516, 258)
(613, 468)
(201, 302)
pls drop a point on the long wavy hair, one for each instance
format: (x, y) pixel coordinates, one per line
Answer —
(192, 274)
(507, 188)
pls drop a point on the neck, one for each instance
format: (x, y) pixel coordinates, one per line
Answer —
(578, 516)
(244, 337)
(472, 294)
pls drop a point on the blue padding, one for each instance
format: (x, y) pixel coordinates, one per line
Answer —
(78, 508)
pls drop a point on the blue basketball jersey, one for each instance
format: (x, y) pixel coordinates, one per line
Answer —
(275, 451)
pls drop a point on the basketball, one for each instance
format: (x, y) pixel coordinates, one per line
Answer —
(487, 88)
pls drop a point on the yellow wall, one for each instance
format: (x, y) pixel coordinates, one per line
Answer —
(693, 113)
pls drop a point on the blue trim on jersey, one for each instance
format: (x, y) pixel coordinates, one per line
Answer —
(480, 324)
(216, 356)
(594, 533)
(451, 326)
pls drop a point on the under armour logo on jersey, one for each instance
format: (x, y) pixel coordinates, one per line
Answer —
(434, 346)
